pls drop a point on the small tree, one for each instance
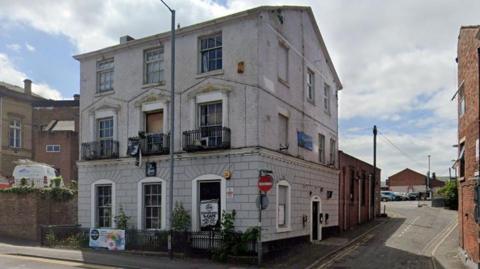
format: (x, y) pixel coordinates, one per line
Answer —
(181, 218)
(121, 220)
(450, 193)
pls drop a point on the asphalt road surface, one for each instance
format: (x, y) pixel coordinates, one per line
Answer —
(25, 262)
(407, 240)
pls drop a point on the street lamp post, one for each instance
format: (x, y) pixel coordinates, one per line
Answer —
(172, 129)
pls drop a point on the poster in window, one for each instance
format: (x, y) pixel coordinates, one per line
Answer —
(209, 212)
(281, 214)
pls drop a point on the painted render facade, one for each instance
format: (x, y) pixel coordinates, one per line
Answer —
(259, 91)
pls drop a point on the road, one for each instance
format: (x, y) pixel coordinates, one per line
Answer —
(26, 262)
(407, 240)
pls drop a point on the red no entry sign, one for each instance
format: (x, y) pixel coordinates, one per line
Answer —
(265, 183)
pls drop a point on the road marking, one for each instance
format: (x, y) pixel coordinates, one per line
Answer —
(55, 261)
(408, 226)
(442, 232)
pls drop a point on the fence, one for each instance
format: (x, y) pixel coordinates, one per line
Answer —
(203, 242)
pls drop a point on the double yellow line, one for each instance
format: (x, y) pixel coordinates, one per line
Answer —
(57, 262)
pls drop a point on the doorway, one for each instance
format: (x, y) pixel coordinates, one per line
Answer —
(316, 217)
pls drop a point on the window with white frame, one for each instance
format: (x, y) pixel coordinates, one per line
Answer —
(310, 86)
(153, 65)
(283, 206)
(211, 53)
(210, 122)
(52, 148)
(282, 62)
(333, 151)
(282, 131)
(15, 134)
(152, 205)
(103, 194)
(105, 136)
(326, 98)
(105, 75)
(321, 148)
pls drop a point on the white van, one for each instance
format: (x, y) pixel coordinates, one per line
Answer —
(40, 174)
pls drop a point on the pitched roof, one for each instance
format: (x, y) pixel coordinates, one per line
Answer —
(59, 126)
(55, 103)
(16, 89)
(223, 19)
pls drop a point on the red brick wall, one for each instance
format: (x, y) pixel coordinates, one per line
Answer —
(22, 214)
(468, 131)
(66, 159)
(349, 205)
(406, 177)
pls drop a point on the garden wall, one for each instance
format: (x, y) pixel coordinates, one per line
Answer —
(22, 214)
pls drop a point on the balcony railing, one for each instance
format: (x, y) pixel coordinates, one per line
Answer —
(153, 143)
(103, 149)
(206, 138)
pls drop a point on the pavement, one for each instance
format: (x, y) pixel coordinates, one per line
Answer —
(411, 237)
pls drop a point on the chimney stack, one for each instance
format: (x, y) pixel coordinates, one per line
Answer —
(76, 97)
(27, 86)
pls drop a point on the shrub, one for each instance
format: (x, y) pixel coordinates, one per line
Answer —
(450, 193)
(121, 220)
(50, 239)
(181, 218)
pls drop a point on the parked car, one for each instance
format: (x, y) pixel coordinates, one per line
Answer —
(34, 174)
(413, 195)
(388, 196)
(401, 196)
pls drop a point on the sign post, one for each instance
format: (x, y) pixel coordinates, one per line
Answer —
(265, 183)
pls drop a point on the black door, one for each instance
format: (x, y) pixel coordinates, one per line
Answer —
(315, 220)
(210, 191)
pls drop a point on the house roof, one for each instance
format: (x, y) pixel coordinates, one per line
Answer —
(16, 89)
(187, 29)
(59, 126)
(407, 169)
(55, 103)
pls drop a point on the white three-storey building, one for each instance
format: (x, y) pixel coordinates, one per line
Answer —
(254, 90)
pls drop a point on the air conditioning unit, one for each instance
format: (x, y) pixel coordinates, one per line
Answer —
(204, 141)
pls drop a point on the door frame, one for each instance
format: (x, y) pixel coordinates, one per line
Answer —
(315, 198)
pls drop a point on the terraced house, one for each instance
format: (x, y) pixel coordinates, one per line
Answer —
(254, 90)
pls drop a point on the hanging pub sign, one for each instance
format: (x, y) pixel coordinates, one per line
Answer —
(209, 214)
(151, 169)
(304, 141)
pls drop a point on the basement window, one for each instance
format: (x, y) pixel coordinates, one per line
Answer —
(53, 148)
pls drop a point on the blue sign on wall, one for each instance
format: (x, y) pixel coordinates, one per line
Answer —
(304, 141)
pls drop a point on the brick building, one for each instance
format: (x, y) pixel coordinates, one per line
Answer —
(468, 58)
(15, 124)
(409, 180)
(55, 135)
(359, 196)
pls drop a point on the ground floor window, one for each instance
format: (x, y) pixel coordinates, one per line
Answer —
(152, 205)
(283, 206)
(209, 205)
(104, 205)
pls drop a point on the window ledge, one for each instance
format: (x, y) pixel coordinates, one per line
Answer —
(461, 179)
(311, 101)
(284, 82)
(283, 229)
(210, 73)
(100, 94)
(153, 85)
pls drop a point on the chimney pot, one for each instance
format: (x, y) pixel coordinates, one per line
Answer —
(124, 39)
(27, 86)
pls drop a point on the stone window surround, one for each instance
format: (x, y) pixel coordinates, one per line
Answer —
(140, 213)
(155, 106)
(207, 98)
(93, 210)
(100, 114)
(289, 207)
(223, 200)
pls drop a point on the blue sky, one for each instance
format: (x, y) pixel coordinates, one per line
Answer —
(395, 60)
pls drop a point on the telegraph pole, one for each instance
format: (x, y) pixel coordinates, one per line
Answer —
(374, 177)
(172, 129)
(427, 187)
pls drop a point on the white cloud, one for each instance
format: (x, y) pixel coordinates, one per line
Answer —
(30, 47)
(10, 74)
(395, 58)
(15, 47)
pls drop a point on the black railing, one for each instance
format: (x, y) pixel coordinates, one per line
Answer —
(102, 149)
(154, 144)
(143, 240)
(206, 138)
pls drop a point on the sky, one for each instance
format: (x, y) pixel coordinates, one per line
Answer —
(396, 60)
